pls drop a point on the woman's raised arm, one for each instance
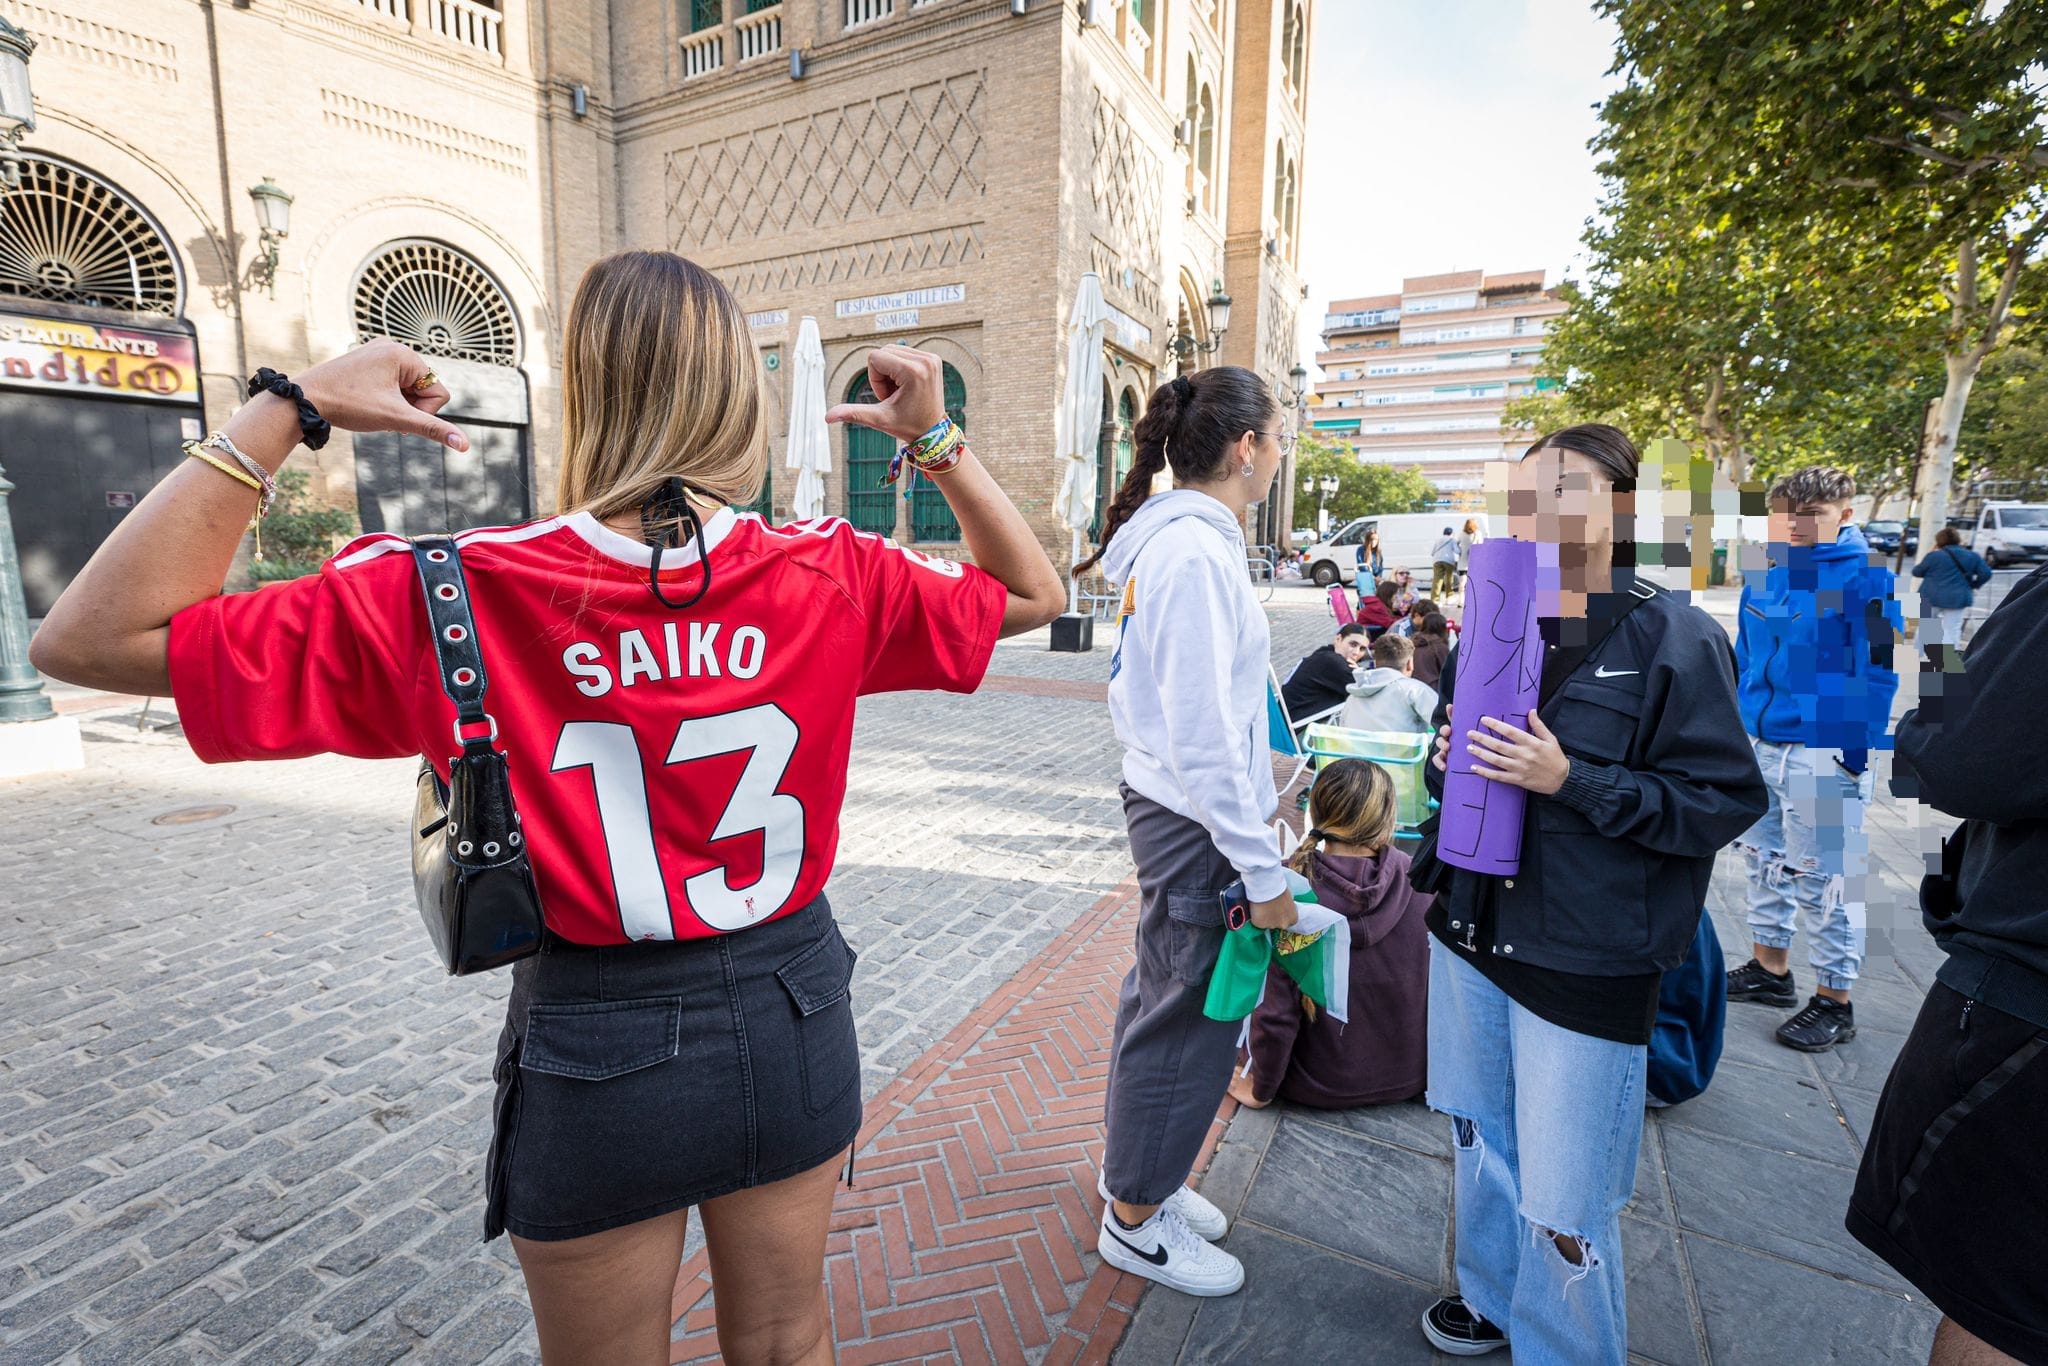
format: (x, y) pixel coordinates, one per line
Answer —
(111, 627)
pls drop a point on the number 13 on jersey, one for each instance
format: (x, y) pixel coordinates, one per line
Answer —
(768, 737)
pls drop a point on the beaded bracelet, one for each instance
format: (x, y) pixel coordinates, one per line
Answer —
(936, 452)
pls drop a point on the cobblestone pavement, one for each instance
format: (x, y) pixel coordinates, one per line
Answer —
(241, 1110)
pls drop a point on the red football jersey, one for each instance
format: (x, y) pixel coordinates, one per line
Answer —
(678, 774)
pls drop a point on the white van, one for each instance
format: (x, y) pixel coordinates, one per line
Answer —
(2006, 533)
(1406, 538)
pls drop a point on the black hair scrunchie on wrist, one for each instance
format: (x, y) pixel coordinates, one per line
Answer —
(313, 428)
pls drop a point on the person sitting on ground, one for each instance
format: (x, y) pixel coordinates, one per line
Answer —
(1411, 620)
(1381, 1054)
(1376, 609)
(1405, 596)
(1432, 641)
(1318, 683)
(1387, 697)
(1443, 564)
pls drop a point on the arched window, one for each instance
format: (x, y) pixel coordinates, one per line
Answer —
(1205, 148)
(1287, 219)
(1194, 114)
(69, 237)
(1280, 189)
(1287, 31)
(435, 299)
(931, 516)
(870, 503)
(1297, 49)
(1114, 453)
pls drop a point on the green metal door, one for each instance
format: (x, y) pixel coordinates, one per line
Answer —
(870, 503)
(931, 517)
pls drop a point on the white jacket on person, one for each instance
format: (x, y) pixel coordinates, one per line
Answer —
(1387, 699)
(1187, 685)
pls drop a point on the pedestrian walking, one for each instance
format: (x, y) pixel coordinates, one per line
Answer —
(1814, 645)
(1543, 985)
(1472, 535)
(684, 1036)
(1187, 695)
(1443, 564)
(1951, 573)
(1951, 1193)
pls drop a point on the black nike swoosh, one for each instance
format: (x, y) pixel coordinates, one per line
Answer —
(1157, 1256)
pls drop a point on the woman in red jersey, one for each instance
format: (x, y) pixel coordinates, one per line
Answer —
(684, 1038)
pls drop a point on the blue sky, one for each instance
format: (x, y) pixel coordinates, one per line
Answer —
(1447, 135)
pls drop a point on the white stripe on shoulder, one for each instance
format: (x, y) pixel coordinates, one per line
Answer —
(369, 547)
(505, 535)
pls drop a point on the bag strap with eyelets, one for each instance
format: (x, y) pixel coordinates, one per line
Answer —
(456, 654)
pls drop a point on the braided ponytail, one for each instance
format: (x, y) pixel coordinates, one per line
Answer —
(1188, 425)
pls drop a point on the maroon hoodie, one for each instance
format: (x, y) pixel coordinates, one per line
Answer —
(1382, 1053)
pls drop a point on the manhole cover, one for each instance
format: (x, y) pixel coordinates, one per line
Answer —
(192, 815)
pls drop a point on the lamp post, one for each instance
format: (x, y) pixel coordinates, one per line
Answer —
(1186, 347)
(274, 224)
(17, 103)
(1324, 489)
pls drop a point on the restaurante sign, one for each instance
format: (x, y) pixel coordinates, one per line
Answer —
(95, 360)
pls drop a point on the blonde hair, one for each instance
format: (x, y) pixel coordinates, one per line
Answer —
(660, 380)
(1352, 802)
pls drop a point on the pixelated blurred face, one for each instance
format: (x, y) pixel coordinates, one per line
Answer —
(1565, 502)
(1808, 523)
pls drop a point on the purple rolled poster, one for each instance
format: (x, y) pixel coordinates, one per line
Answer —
(1500, 668)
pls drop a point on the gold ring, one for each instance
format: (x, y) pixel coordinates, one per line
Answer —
(425, 382)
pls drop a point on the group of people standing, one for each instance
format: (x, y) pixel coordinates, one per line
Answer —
(683, 1037)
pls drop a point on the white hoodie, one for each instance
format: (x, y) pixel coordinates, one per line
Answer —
(1187, 685)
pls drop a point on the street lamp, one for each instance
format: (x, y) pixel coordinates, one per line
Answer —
(274, 224)
(17, 102)
(1324, 489)
(1187, 347)
(1294, 394)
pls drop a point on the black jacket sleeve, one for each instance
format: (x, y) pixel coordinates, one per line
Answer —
(1320, 682)
(1975, 746)
(1696, 785)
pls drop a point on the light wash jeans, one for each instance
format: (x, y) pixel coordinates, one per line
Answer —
(1546, 1125)
(1809, 857)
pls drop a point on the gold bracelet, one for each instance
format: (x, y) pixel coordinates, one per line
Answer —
(238, 475)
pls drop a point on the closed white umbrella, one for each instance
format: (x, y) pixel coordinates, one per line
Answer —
(1079, 424)
(810, 448)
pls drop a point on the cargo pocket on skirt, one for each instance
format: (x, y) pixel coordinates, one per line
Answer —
(504, 1126)
(828, 1052)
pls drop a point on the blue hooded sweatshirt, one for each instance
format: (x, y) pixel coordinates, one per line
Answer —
(1814, 649)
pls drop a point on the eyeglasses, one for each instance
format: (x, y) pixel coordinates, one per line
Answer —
(1285, 440)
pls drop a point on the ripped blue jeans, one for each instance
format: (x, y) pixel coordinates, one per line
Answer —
(1546, 1125)
(1809, 859)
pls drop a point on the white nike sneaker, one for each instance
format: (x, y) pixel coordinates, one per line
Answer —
(1166, 1250)
(1198, 1213)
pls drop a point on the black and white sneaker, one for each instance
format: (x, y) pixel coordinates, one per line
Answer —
(1820, 1026)
(1195, 1210)
(1753, 982)
(1166, 1250)
(1453, 1328)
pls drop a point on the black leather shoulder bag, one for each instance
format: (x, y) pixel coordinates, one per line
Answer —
(469, 868)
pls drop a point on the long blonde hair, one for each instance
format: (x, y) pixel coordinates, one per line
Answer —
(660, 380)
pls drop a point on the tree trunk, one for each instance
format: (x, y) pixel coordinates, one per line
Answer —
(1939, 461)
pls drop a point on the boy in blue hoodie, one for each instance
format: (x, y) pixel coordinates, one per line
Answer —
(1814, 649)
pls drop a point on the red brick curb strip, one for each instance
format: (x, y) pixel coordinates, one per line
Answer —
(969, 1235)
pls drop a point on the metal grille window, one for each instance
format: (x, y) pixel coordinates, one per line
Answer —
(706, 14)
(931, 517)
(870, 503)
(436, 300)
(70, 238)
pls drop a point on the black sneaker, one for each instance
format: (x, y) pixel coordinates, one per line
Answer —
(1820, 1026)
(1455, 1329)
(1752, 982)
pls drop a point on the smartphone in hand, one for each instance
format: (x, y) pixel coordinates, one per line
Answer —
(1237, 905)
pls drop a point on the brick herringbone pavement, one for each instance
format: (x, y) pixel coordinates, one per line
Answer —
(969, 1234)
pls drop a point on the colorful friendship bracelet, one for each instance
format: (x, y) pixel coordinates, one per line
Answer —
(936, 452)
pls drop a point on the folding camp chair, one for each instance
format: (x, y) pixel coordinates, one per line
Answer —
(1340, 605)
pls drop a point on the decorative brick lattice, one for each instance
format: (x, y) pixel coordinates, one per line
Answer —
(1125, 184)
(102, 45)
(396, 125)
(1277, 339)
(909, 150)
(1141, 299)
(858, 261)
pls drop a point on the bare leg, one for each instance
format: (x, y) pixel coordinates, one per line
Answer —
(1772, 960)
(767, 1249)
(605, 1298)
(1955, 1345)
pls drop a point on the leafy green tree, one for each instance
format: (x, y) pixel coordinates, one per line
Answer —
(1905, 140)
(299, 534)
(2007, 434)
(1363, 489)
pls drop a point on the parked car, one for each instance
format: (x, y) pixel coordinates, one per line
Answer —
(1406, 538)
(1884, 536)
(2006, 533)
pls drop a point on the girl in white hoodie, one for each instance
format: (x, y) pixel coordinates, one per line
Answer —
(1187, 695)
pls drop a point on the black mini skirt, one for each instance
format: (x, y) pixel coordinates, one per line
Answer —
(641, 1079)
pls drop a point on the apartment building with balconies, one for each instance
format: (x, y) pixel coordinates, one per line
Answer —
(1420, 377)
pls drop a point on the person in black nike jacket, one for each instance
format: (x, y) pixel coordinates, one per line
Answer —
(1543, 985)
(1952, 1192)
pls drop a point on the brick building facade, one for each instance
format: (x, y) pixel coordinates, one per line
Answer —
(939, 172)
